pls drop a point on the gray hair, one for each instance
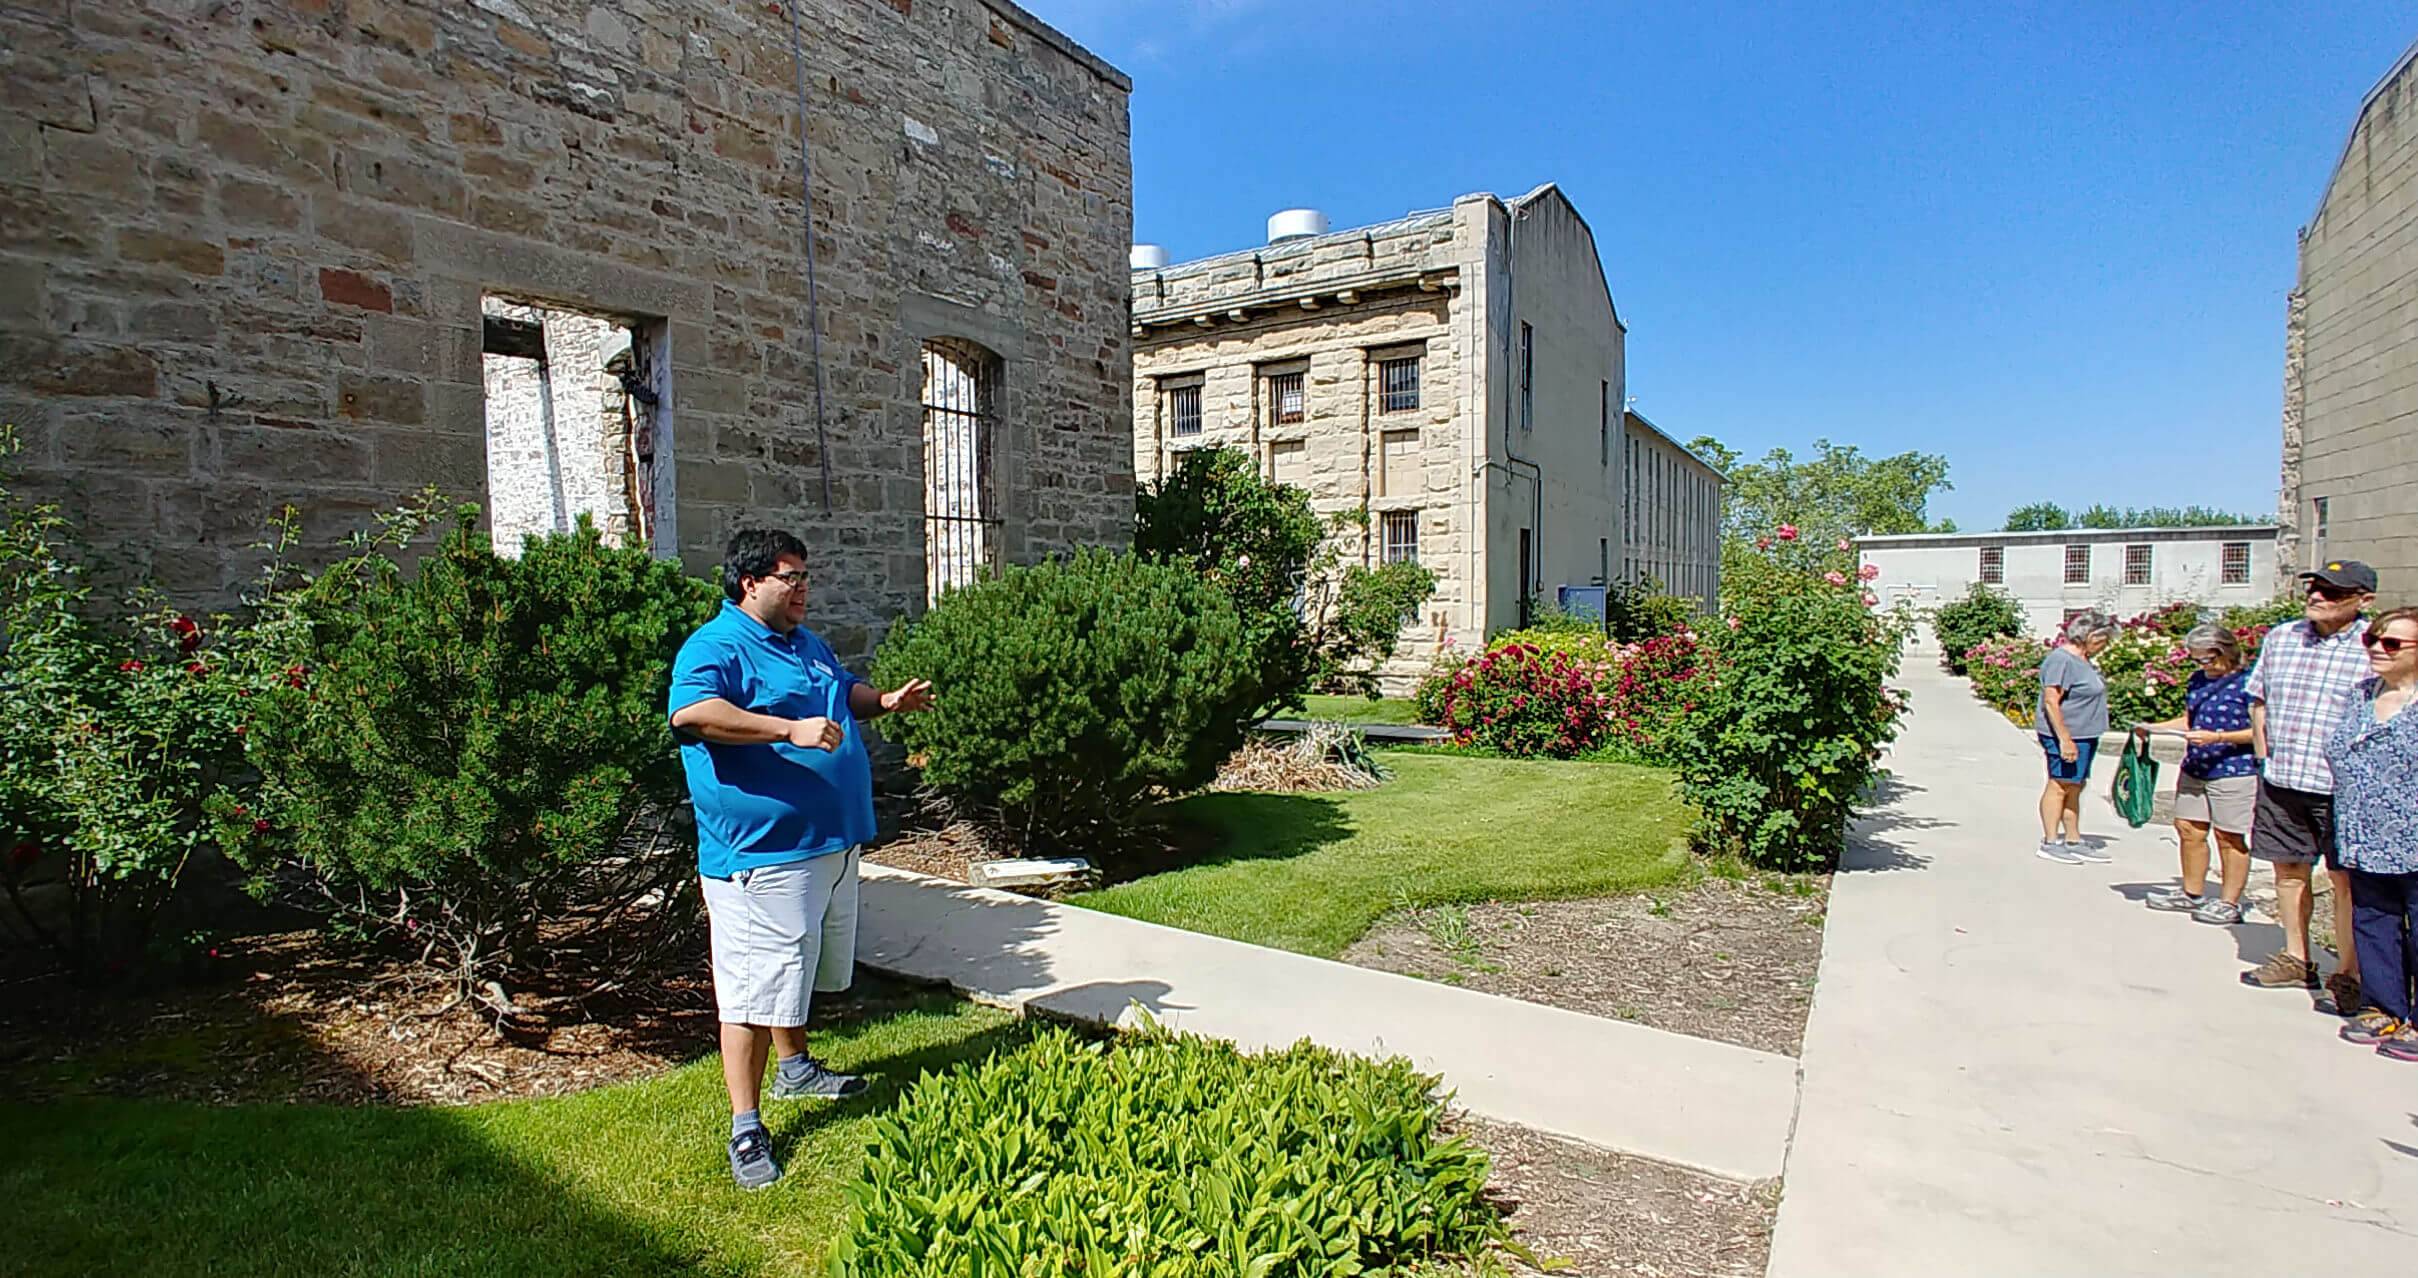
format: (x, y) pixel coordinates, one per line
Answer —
(2210, 637)
(2087, 626)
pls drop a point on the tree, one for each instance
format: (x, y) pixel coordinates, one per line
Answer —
(2040, 516)
(2043, 516)
(1838, 492)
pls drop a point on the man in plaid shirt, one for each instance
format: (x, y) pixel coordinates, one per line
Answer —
(2306, 674)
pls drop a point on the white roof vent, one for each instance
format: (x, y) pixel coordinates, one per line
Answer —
(1296, 224)
(1147, 257)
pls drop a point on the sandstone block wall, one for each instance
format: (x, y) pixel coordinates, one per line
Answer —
(2350, 427)
(244, 248)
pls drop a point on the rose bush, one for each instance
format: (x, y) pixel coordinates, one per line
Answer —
(2006, 674)
(1787, 732)
(1522, 701)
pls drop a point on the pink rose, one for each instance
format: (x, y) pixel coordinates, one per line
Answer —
(1835, 577)
(1869, 601)
(1845, 544)
(1869, 572)
(1788, 532)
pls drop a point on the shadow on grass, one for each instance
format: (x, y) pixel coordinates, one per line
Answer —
(622, 1180)
(1234, 826)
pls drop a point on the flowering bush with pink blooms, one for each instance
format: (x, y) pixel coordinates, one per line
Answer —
(1785, 731)
(1521, 701)
(2006, 674)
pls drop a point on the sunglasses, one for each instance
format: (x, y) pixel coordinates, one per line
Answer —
(2391, 646)
(2334, 594)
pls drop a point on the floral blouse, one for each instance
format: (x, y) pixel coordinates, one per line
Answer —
(2375, 786)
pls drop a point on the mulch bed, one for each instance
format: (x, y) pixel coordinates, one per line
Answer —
(1611, 1213)
(288, 1017)
(1719, 959)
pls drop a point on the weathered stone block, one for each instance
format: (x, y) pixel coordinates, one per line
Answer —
(291, 456)
(406, 461)
(351, 288)
(193, 257)
(49, 366)
(384, 399)
(147, 441)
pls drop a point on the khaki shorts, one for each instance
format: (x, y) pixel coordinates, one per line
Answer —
(780, 934)
(2224, 802)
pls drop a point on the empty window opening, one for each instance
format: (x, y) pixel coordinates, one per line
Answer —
(571, 412)
(961, 496)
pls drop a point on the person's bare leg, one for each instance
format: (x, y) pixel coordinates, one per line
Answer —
(2194, 835)
(2073, 812)
(2052, 811)
(2344, 944)
(2292, 906)
(743, 1053)
(2233, 858)
(789, 1040)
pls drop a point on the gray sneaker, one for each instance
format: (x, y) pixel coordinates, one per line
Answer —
(2061, 853)
(2220, 911)
(817, 1082)
(2175, 901)
(751, 1161)
(2084, 852)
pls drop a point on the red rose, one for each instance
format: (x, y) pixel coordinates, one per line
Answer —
(130, 666)
(261, 826)
(196, 668)
(240, 812)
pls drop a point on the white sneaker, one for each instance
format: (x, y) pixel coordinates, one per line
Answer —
(2084, 852)
(2061, 853)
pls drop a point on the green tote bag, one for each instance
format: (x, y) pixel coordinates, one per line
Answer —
(2135, 788)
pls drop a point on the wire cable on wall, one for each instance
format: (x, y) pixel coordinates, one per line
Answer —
(814, 319)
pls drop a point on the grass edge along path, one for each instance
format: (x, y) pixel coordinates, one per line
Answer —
(620, 1180)
(1347, 709)
(1311, 873)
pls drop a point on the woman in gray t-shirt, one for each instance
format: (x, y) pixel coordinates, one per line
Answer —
(2072, 718)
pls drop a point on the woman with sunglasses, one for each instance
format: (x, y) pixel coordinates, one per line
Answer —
(2374, 754)
(2219, 786)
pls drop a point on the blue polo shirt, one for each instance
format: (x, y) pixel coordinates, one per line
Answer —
(760, 805)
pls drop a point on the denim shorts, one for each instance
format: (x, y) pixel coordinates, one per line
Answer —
(2085, 751)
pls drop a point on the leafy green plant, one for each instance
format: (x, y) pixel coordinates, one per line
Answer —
(121, 745)
(1070, 691)
(1169, 1156)
(1635, 613)
(461, 753)
(1983, 613)
(1521, 701)
(1314, 621)
(1788, 732)
(2288, 606)
(2006, 674)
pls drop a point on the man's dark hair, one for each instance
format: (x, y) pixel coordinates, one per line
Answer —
(754, 553)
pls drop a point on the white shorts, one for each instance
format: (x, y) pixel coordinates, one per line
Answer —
(781, 933)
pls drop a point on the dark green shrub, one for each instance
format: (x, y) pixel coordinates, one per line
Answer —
(460, 753)
(1637, 613)
(1786, 736)
(1177, 1157)
(1313, 621)
(1983, 613)
(2291, 605)
(1071, 690)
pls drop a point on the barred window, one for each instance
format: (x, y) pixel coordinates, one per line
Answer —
(1398, 385)
(1402, 536)
(2236, 566)
(1184, 410)
(2077, 565)
(1286, 401)
(2136, 565)
(1994, 565)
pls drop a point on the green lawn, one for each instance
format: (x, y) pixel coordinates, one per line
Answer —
(623, 1180)
(1312, 872)
(1360, 710)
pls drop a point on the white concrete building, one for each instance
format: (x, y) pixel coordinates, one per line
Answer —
(1670, 515)
(1457, 376)
(2124, 571)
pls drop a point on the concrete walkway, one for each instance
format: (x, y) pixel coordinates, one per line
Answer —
(1691, 1101)
(2013, 1068)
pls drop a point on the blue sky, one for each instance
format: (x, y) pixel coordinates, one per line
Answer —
(2050, 241)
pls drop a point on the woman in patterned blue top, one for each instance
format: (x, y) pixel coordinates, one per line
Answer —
(2374, 755)
(2219, 786)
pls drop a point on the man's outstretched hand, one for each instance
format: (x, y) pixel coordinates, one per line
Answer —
(914, 695)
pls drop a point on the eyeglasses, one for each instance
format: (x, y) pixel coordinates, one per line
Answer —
(2391, 645)
(795, 577)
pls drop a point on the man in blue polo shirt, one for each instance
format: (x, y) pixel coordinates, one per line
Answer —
(768, 725)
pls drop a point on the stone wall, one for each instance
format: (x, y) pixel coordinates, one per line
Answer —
(2351, 353)
(1340, 450)
(244, 247)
